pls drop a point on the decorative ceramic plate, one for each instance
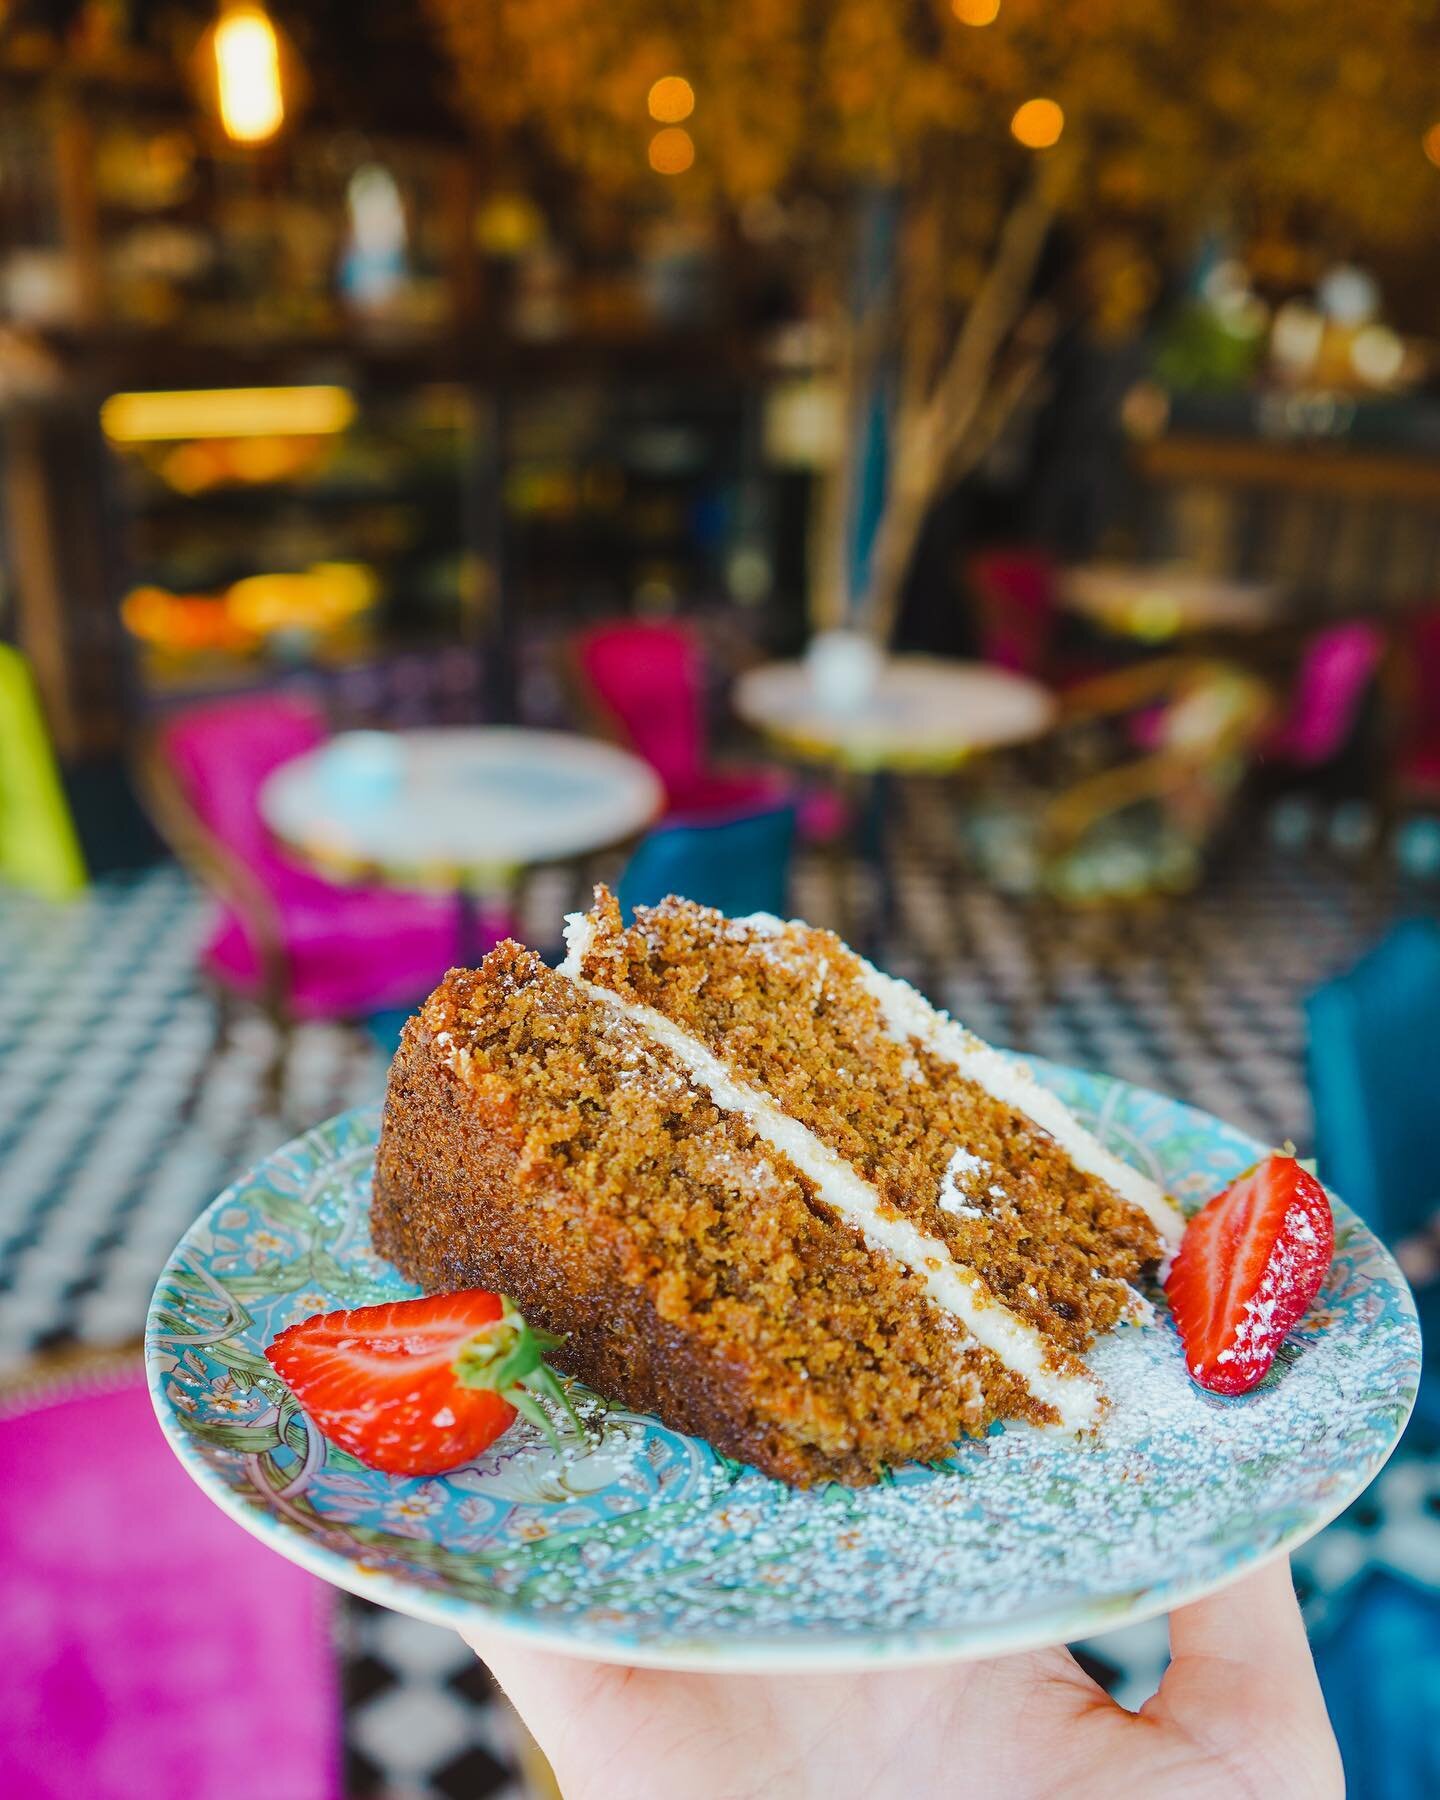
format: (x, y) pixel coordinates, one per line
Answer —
(644, 1546)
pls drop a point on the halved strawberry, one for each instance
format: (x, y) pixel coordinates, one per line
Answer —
(417, 1387)
(1251, 1261)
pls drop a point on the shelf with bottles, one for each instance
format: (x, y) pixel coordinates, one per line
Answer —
(274, 527)
(323, 618)
(122, 214)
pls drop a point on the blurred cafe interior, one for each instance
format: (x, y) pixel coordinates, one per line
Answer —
(964, 472)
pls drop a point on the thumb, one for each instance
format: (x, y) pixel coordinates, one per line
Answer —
(1242, 1685)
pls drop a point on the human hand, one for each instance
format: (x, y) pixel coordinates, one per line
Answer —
(1239, 1713)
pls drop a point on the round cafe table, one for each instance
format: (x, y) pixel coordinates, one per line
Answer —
(1156, 602)
(464, 809)
(920, 715)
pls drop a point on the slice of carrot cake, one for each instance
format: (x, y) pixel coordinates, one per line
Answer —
(767, 1192)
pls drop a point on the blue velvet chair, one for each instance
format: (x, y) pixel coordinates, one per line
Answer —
(1374, 1035)
(739, 865)
(1380, 1670)
(1374, 1069)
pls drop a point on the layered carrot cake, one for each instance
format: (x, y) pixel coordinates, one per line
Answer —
(767, 1192)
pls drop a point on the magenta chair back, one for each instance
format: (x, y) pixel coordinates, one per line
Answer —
(1017, 608)
(1419, 750)
(649, 678)
(1338, 665)
(222, 754)
(299, 945)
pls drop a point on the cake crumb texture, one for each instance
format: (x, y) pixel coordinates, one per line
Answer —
(785, 1008)
(536, 1142)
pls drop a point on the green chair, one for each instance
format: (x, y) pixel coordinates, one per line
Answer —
(38, 846)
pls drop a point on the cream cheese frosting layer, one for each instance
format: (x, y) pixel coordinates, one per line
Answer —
(908, 1015)
(1072, 1393)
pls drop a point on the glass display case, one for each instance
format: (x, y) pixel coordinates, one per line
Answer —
(270, 529)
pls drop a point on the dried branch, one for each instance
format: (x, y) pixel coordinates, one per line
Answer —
(928, 436)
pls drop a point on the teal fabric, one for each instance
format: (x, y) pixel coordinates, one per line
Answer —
(1374, 1067)
(1381, 1674)
(739, 865)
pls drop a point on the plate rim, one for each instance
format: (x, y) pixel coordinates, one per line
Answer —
(801, 1653)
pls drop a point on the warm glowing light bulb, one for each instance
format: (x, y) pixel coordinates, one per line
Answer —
(1038, 124)
(671, 151)
(976, 12)
(671, 99)
(1431, 143)
(247, 71)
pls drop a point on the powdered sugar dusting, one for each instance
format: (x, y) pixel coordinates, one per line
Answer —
(1271, 1308)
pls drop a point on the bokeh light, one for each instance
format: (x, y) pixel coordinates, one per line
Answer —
(976, 12)
(247, 70)
(1431, 142)
(1038, 124)
(671, 99)
(671, 151)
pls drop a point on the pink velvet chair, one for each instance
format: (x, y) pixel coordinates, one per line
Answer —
(298, 945)
(1017, 610)
(1338, 665)
(645, 684)
(1417, 696)
(151, 1646)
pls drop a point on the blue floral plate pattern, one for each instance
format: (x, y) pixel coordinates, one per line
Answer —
(644, 1546)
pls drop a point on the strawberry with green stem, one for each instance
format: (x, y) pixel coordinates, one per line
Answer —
(418, 1387)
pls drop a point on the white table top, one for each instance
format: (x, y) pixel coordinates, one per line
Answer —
(1159, 600)
(451, 807)
(922, 712)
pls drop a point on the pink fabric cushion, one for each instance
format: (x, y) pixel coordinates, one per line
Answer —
(1016, 590)
(649, 678)
(349, 951)
(1334, 673)
(724, 794)
(223, 752)
(151, 1647)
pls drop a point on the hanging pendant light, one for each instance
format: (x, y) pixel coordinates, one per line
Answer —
(247, 72)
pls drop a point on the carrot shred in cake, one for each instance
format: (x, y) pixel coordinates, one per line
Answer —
(703, 1150)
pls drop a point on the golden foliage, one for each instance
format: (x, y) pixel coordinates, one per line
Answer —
(1171, 107)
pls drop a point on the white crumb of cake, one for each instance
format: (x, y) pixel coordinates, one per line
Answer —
(954, 1196)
